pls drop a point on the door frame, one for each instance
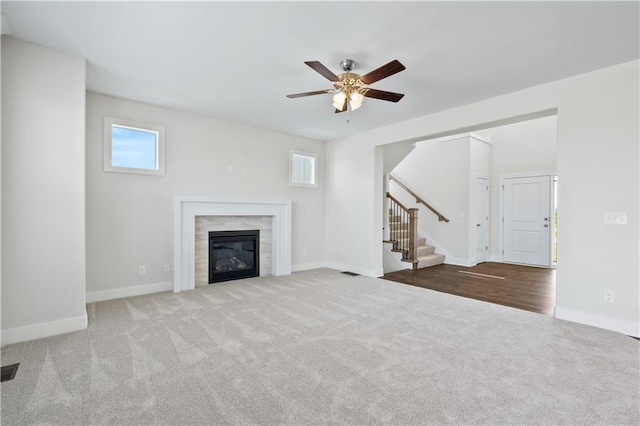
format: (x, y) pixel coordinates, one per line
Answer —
(551, 174)
(487, 210)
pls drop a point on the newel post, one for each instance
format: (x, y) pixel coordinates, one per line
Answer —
(413, 235)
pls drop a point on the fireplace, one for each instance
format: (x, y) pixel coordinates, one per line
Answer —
(233, 255)
(191, 251)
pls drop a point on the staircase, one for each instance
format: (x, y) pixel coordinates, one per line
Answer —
(423, 256)
(403, 230)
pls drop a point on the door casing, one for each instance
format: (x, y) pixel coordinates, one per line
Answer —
(481, 217)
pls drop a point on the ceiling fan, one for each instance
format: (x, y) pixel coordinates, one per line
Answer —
(351, 88)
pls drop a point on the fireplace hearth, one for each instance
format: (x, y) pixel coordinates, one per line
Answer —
(233, 255)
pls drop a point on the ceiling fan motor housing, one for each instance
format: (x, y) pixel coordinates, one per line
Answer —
(347, 64)
(348, 81)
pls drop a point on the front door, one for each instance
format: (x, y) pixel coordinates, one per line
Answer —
(527, 220)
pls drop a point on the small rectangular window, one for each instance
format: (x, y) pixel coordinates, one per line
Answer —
(133, 147)
(303, 169)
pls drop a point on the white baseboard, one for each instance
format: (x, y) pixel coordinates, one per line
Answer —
(375, 273)
(495, 258)
(307, 266)
(119, 293)
(458, 262)
(45, 329)
(630, 328)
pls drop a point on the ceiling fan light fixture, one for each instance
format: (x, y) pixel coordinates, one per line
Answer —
(355, 100)
(338, 99)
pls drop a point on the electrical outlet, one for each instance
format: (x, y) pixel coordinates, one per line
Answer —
(167, 267)
(142, 270)
(608, 296)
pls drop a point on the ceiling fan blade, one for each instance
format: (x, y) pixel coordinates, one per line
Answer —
(300, 95)
(344, 107)
(385, 96)
(321, 69)
(383, 72)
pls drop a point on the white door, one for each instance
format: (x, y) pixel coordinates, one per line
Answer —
(527, 220)
(482, 219)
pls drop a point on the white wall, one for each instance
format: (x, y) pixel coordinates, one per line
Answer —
(43, 192)
(353, 239)
(393, 154)
(130, 217)
(527, 146)
(438, 171)
(1, 32)
(598, 133)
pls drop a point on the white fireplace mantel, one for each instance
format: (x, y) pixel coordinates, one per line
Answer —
(187, 207)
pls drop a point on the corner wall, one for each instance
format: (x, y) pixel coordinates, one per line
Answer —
(130, 216)
(43, 192)
(598, 162)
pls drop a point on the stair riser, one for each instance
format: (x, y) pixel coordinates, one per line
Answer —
(425, 250)
(430, 260)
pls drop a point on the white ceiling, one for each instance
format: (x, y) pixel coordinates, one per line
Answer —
(237, 60)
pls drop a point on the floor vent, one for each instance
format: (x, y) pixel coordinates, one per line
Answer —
(352, 274)
(9, 372)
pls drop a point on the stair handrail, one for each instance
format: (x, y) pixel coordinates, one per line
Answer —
(441, 217)
(397, 201)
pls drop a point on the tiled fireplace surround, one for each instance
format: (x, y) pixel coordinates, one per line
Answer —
(195, 216)
(206, 224)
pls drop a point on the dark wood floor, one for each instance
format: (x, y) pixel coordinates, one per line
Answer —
(524, 287)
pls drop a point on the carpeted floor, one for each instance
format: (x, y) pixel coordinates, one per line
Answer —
(322, 347)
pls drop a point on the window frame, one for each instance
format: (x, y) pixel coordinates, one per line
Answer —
(109, 122)
(292, 153)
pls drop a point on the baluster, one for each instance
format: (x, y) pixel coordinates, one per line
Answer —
(395, 233)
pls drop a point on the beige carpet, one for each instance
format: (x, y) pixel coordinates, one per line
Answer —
(322, 347)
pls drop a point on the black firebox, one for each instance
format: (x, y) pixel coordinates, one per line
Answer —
(233, 255)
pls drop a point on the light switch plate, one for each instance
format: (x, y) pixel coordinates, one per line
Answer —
(613, 218)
